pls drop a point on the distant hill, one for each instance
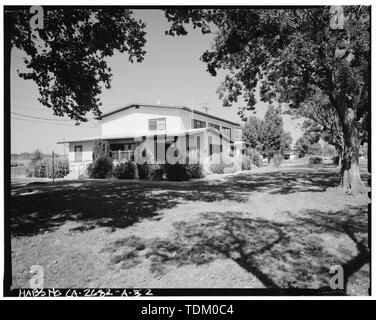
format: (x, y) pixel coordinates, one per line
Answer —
(28, 155)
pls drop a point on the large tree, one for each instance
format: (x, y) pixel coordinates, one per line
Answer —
(290, 53)
(308, 144)
(66, 55)
(321, 121)
(267, 135)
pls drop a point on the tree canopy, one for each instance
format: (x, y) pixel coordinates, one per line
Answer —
(308, 144)
(267, 135)
(290, 54)
(67, 57)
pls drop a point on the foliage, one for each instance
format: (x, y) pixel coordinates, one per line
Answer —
(328, 150)
(193, 166)
(176, 172)
(253, 132)
(335, 159)
(100, 148)
(267, 135)
(67, 59)
(290, 55)
(322, 120)
(145, 170)
(158, 172)
(36, 156)
(277, 159)
(45, 169)
(228, 170)
(219, 162)
(218, 167)
(100, 168)
(125, 170)
(246, 163)
(255, 157)
(308, 143)
(273, 133)
(181, 171)
(315, 160)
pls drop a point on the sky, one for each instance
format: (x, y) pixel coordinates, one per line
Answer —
(171, 73)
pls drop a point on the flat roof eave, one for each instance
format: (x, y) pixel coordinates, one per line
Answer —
(148, 134)
(129, 106)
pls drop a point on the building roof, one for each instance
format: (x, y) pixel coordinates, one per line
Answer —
(133, 105)
(148, 134)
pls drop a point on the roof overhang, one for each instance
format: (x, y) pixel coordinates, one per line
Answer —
(135, 105)
(140, 135)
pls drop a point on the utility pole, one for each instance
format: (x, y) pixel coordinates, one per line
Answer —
(53, 167)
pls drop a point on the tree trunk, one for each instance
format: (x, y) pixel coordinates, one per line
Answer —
(351, 181)
(340, 156)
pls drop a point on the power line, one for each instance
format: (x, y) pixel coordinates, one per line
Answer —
(28, 108)
(28, 116)
(24, 98)
(40, 118)
(17, 58)
(55, 124)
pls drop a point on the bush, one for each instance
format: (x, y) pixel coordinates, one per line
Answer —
(194, 170)
(217, 167)
(219, 162)
(59, 170)
(277, 159)
(157, 172)
(227, 170)
(176, 172)
(44, 168)
(36, 156)
(191, 169)
(246, 163)
(144, 171)
(315, 160)
(100, 168)
(255, 157)
(36, 170)
(125, 170)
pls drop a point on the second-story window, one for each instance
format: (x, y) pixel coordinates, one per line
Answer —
(226, 131)
(215, 126)
(198, 124)
(157, 124)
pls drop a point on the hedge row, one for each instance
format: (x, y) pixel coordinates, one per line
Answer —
(45, 169)
(103, 167)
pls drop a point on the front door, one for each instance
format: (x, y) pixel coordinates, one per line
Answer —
(78, 153)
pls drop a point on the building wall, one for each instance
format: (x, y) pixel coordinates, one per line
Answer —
(132, 121)
(87, 150)
(208, 120)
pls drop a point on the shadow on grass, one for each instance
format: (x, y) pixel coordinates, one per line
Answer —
(295, 254)
(119, 204)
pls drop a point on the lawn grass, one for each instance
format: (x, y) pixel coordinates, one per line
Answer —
(277, 228)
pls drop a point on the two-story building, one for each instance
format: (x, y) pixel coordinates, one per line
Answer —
(161, 125)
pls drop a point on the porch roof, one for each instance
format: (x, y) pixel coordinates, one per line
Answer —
(139, 135)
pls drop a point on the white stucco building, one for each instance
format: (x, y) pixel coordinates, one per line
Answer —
(158, 126)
